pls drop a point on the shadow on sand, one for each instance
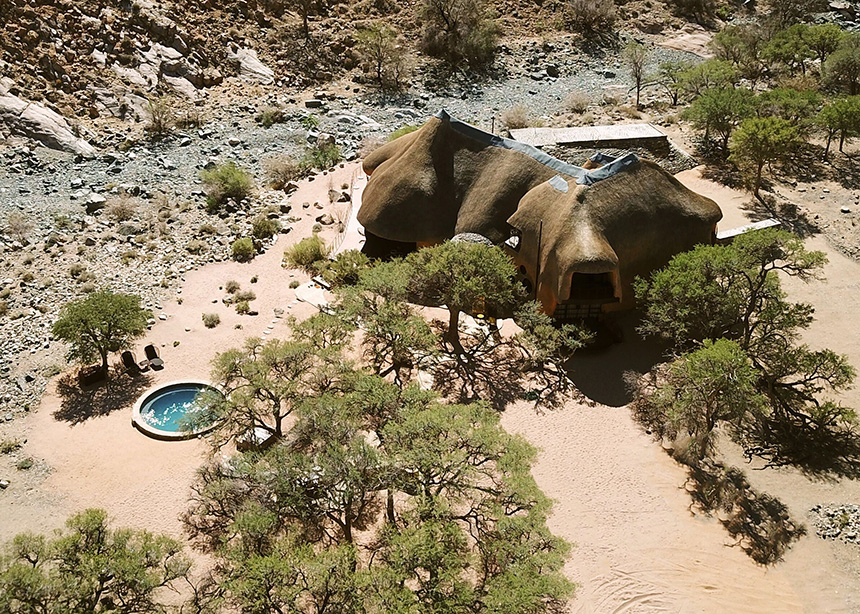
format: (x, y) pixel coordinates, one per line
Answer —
(785, 211)
(598, 371)
(758, 521)
(80, 403)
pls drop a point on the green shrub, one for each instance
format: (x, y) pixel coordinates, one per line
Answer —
(310, 121)
(306, 253)
(211, 320)
(324, 155)
(232, 286)
(294, 284)
(25, 463)
(254, 279)
(245, 295)
(269, 116)
(242, 250)
(264, 228)
(242, 307)
(402, 131)
(345, 269)
(224, 182)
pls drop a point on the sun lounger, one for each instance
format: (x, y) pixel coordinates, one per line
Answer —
(152, 355)
(131, 363)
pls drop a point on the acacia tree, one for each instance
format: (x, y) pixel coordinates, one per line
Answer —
(458, 31)
(103, 322)
(761, 141)
(89, 568)
(720, 111)
(842, 69)
(790, 48)
(670, 76)
(710, 74)
(263, 381)
(465, 277)
(734, 292)
(840, 117)
(823, 39)
(698, 391)
(383, 54)
(743, 46)
(287, 524)
(395, 338)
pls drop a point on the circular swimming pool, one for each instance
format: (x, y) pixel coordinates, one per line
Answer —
(165, 412)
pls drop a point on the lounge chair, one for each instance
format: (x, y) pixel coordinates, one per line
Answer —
(131, 363)
(152, 354)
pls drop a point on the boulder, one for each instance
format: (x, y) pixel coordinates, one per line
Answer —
(250, 67)
(36, 121)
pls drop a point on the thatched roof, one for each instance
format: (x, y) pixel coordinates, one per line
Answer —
(629, 224)
(625, 216)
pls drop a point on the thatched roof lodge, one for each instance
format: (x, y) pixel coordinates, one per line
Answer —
(579, 235)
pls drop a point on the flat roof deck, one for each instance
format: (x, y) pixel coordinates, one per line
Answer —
(588, 135)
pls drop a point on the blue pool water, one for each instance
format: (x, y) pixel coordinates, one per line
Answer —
(166, 408)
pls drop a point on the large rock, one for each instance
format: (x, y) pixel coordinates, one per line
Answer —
(250, 67)
(36, 121)
(692, 39)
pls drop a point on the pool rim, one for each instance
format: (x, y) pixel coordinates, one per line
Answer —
(144, 427)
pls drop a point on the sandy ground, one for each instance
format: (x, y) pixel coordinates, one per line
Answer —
(620, 499)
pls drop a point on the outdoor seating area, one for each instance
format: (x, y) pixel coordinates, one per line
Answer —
(134, 366)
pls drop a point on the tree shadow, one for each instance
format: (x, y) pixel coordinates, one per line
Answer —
(598, 371)
(494, 375)
(825, 453)
(788, 214)
(759, 522)
(80, 403)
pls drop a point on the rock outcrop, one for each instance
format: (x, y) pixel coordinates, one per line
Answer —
(36, 121)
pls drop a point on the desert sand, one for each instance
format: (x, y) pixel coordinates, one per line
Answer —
(619, 498)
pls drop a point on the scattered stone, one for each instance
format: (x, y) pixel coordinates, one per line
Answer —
(840, 522)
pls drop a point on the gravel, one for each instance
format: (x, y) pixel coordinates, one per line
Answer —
(836, 521)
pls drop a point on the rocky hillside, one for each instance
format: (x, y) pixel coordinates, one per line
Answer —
(91, 59)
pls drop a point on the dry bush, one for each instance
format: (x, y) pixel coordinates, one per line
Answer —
(518, 116)
(630, 111)
(18, 226)
(160, 117)
(577, 102)
(281, 170)
(121, 208)
(590, 18)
